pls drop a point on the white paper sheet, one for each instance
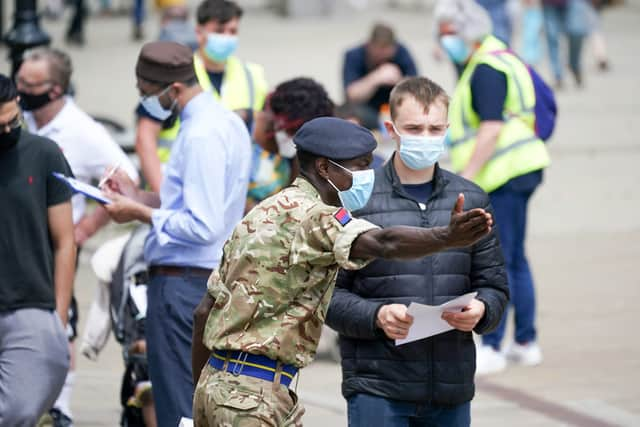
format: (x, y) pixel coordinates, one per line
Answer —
(80, 187)
(427, 319)
(185, 422)
(139, 295)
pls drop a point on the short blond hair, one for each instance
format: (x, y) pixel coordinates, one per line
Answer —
(422, 89)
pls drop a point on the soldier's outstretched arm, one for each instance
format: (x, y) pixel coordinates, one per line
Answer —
(464, 229)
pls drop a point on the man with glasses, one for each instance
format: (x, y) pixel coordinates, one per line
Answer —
(36, 267)
(201, 199)
(43, 82)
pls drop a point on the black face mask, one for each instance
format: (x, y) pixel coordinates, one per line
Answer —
(9, 139)
(30, 102)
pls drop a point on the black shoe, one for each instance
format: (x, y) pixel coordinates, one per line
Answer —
(76, 38)
(138, 34)
(578, 78)
(59, 419)
(603, 66)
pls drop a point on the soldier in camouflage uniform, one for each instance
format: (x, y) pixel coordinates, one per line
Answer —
(261, 318)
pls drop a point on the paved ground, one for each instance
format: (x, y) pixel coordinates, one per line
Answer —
(584, 232)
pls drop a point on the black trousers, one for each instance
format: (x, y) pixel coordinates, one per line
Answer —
(76, 26)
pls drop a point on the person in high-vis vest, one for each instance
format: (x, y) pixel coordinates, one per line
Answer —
(240, 86)
(492, 141)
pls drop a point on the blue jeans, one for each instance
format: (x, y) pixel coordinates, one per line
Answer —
(562, 19)
(365, 410)
(500, 19)
(168, 329)
(510, 203)
(138, 12)
(532, 20)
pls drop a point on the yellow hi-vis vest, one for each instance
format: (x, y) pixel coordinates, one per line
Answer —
(518, 150)
(243, 88)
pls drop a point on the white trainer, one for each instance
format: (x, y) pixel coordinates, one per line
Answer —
(489, 361)
(528, 354)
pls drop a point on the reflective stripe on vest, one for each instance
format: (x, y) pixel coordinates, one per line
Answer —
(518, 149)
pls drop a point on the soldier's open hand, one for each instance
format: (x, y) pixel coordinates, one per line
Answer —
(465, 228)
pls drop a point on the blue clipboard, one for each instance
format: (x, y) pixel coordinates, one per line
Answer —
(80, 187)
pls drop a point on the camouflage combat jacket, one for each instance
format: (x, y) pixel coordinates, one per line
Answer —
(274, 284)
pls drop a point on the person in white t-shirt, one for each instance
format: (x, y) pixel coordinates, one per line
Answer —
(43, 82)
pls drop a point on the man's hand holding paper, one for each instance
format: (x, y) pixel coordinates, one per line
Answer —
(462, 313)
(468, 318)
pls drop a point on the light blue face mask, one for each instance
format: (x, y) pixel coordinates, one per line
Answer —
(153, 106)
(358, 195)
(420, 152)
(456, 48)
(219, 47)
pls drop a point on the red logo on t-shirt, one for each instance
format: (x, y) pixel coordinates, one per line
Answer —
(30, 180)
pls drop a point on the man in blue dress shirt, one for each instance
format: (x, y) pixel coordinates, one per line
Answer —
(201, 200)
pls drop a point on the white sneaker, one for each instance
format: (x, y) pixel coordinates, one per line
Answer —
(528, 354)
(489, 361)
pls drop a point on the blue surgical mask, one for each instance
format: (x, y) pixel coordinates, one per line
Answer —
(420, 152)
(153, 106)
(358, 195)
(219, 47)
(456, 48)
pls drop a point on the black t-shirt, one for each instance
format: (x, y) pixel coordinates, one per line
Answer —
(356, 67)
(419, 192)
(27, 189)
(488, 92)
(215, 77)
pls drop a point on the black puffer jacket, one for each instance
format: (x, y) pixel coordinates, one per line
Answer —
(437, 370)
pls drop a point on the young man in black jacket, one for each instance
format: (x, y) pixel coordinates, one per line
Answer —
(426, 382)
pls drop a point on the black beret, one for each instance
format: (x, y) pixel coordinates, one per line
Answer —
(165, 62)
(334, 138)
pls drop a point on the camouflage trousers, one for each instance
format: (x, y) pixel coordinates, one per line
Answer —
(225, 400)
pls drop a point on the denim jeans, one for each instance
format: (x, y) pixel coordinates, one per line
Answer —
(510, 203)
(365, 410)
(138, 12)
(500, 19)
(564, 19)
(532, 20)
(168, 329)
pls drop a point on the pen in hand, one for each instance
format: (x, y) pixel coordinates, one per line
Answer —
(104, 180)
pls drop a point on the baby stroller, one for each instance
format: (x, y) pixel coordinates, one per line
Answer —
(121, 306)
(128, 311)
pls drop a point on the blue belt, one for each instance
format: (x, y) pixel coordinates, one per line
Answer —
(252, 365)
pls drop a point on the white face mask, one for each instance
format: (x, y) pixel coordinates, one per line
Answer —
(418, 151)
(152, 104)
(286, 147)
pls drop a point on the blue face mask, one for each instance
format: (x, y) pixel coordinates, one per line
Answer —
(153, 106)
(420, 152)
(358, 195)
(456, 48)
(219, 47)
